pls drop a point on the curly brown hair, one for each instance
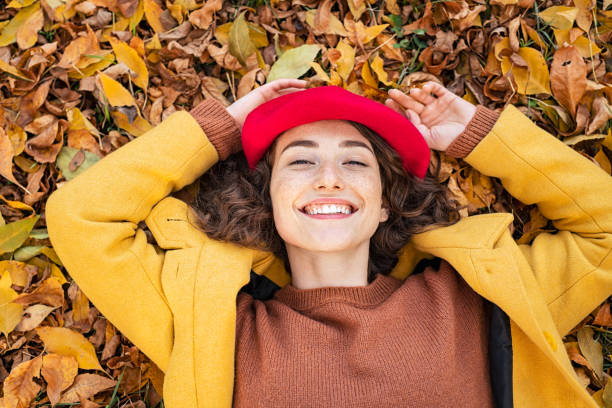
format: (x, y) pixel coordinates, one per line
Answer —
(233, 204)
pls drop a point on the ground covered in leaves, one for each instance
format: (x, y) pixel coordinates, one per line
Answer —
(80, 78)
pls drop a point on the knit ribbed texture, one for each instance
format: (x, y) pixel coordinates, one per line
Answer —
(422, 342)
(477, 128)
(219, 126)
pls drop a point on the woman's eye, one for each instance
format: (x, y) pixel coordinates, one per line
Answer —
(300, 162)
(355, 162)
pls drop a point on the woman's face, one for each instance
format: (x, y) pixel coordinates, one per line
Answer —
(325, 187)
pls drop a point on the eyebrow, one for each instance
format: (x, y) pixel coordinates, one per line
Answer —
(310, 143)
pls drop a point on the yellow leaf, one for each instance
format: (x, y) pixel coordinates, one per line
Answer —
(17, 272)
(108, 58)
(561, 17)
(373, 31)
(20, 3)
(76, 121)
(153, 14)
(584, 17)
(585, 48)
(346, 63)
(13, 71)
(115, 93)
(129, 57)
(603, 161)
(335, 79)
(137, 128)
(27, 34)
(320, 72)
(68, 342)
(357, 8)
(7, 36)
(533, 34)
(367, 76)
(335, 25)
(377, 66)
(533, 79)
(10, 313)
(43, 264)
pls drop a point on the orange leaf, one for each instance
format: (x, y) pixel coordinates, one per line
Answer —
(116, 94)
(19, 389)
(59, 372)
(49, 293)
(27, 34)
(568, 77)
(153, 14)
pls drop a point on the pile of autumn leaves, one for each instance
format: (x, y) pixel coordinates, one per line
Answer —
(80, 78)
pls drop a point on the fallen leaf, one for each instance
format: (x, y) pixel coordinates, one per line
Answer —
(10, 313)
(115, 93)
(591, 350)
(294, 62)
(33, 316)
(240, 44)
(49, 292)
(70, 343)
(12, 235)
(153, 14)
(127, 55)
(59, 373)
(9, 32)
(19, 388)
(561, 17)
(86, 386)
(27, 35)
(568, 77)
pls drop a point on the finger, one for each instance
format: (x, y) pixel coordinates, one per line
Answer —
(395, 106)
(435, 88)
(287, 83)
(423, 96)
(406, 101)
(414, 117)
(289, 90)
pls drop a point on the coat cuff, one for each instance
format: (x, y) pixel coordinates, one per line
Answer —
(219, 126)
(478, 127)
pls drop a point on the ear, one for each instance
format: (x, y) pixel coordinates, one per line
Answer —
(384, 214)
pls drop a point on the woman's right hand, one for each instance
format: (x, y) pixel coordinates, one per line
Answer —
(243, 106)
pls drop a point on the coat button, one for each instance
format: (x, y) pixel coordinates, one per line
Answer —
(550, 339)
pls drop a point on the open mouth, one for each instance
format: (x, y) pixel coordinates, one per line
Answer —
(328, 209)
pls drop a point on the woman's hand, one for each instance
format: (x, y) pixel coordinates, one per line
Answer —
(243, 106)
(440, 119)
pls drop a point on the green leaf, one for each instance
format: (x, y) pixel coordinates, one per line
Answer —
(27, 252)
(66, 155)
(294, 62)
(240, 44)
(39, 233)
(14, 234)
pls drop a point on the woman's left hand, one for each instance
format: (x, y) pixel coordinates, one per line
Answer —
(440, 119)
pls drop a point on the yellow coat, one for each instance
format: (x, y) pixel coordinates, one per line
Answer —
(176, 300)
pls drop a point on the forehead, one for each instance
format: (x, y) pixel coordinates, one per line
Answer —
(322, 131)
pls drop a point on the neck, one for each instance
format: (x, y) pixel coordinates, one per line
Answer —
(313, 269)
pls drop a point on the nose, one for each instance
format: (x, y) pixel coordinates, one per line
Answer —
(327, 178)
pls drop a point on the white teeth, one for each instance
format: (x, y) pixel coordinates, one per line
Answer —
(328, 209)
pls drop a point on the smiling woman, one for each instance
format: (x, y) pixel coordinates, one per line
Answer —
(236, 205)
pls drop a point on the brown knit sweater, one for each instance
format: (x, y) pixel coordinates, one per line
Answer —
(417, 343)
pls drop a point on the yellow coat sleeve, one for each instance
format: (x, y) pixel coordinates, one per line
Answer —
(93, 219)
(573, 266)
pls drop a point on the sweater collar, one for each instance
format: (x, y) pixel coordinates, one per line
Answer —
(376, 292)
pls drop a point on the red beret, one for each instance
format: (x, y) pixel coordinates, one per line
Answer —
(264, 123)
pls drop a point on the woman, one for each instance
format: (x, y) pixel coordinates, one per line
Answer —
(330, 335)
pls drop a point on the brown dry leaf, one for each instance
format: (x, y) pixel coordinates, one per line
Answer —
(49, 293)
(86, 386)
(591, 350)
(34, 316)
(59, 372)
(568, 77)
(32, 102)
(70, 343)
(602, 112)
(603, 317)
(19, 387)
(203, 17)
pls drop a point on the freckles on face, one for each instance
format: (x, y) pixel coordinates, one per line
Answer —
(322, 171)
